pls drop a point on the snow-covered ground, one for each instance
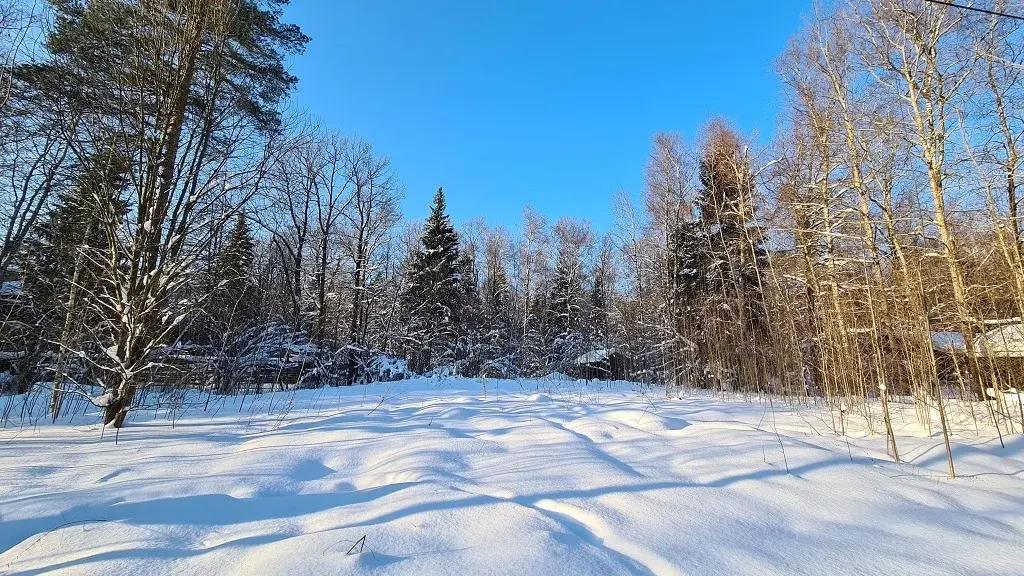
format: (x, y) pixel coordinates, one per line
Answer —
(429, 477)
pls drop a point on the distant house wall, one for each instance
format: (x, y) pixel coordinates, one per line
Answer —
(607, 366)
(999, 353)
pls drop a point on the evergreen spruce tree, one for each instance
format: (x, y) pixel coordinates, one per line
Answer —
(435, 293)
(565, 315)
(232, 301)
(690, 264)
(725, 200)
(727, 260)
(62, 263)
(74, 234)
(598, 322)
(496, 292)
(233, 306)
(537, 335)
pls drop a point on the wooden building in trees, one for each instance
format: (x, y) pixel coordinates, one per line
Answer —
(1000, 353)
(602, 364)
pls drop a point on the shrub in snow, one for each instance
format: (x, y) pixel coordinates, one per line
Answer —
(384, 368)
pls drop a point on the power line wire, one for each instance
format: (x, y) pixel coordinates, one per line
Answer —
(976, 9)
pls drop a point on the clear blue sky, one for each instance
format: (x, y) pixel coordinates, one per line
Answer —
(545, 102)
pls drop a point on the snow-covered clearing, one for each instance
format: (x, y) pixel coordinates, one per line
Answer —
(538, 478)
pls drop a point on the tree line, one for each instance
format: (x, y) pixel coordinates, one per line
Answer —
(166, 222)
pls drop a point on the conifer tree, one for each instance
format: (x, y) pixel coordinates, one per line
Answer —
(597, 323)
(689, 263)
(565, 314)
(434, 293)
(72, 234)
(62, 264)
(233, 305)
(725, 200)
(232, 301)
(536, 335)
(496, 291)
(718, 261)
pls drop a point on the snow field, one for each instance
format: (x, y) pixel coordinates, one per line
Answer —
(536, 478)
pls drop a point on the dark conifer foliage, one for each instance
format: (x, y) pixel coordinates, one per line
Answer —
(63, 264)
(233, 301)
(716, 263)
(240, 55)
(565, 315)
(436, 293)
(233, 308)
(736, 257)
(597, 323)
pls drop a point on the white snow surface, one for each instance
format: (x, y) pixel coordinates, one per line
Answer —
(464, 477)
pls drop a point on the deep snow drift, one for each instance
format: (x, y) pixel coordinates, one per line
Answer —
(538, 478)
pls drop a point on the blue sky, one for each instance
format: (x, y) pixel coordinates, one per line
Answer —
(549, 103)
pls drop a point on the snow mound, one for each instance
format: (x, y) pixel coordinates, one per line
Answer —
(645, 420)
(558, 377)
(428, 477)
